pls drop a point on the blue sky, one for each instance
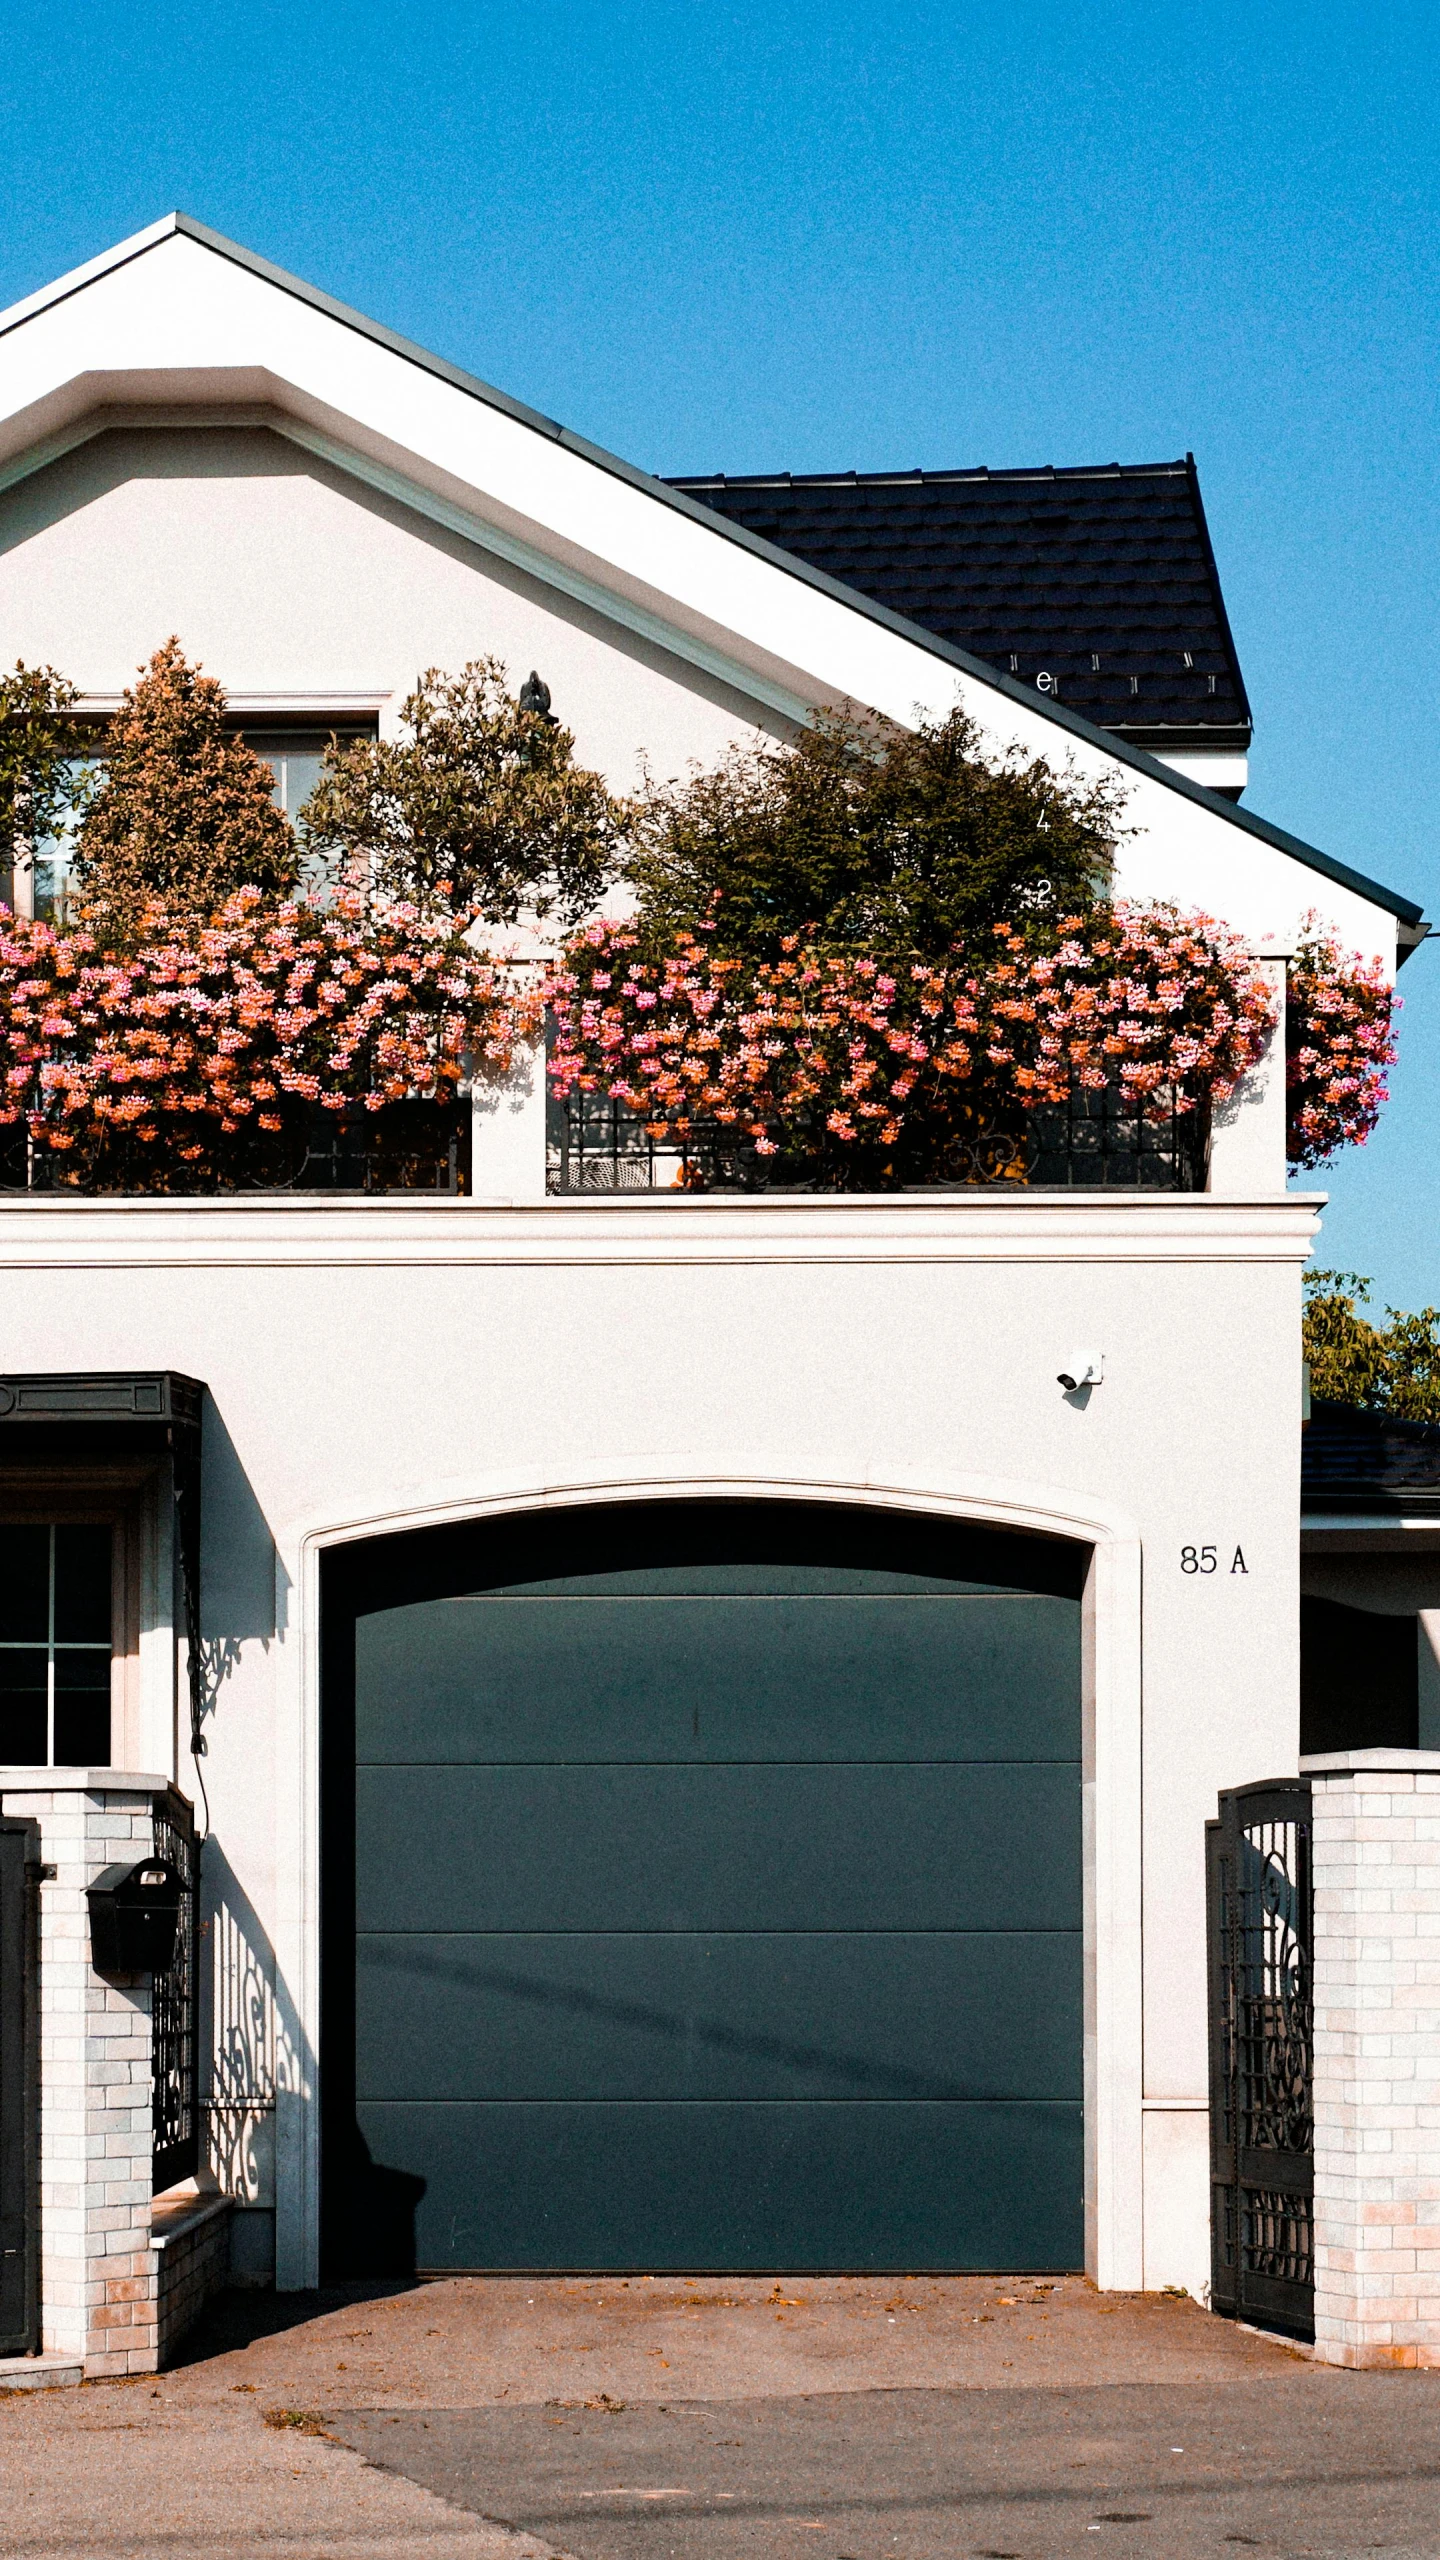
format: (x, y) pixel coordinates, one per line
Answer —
(838, 236)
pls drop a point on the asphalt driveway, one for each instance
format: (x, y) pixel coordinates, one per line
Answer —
(1287, 2465)
(704, 2419)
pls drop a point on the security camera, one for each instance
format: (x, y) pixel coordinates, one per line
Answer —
(1083, 1369)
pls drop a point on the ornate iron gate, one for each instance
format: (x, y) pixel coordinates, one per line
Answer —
(19, 1852)
(174, 2045)
(1260, 1905)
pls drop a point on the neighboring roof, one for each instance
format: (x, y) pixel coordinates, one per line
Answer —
(1047, 707)
(1098, 584)
(1351, 1460)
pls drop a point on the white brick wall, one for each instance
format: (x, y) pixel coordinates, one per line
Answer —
(97, 2268)
(1377, 2058)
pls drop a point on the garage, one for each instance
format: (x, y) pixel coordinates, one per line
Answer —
(703, 1890)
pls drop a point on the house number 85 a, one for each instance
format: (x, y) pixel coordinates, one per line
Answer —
(1206, 1560)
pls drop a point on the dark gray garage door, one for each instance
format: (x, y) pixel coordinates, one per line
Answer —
(719, 1906)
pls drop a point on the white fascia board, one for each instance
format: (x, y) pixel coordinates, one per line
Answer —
(1218, 769)
(166, 318)
(1375, 1528)
(75, 279)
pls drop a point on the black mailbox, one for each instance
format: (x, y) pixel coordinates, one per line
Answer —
(134, 1914)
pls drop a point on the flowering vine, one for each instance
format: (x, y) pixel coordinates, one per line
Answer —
(196, 1034)
(1339, 1040)
(160, 1063)
(846, 1060)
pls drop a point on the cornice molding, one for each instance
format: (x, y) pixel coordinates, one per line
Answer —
(652, 1232)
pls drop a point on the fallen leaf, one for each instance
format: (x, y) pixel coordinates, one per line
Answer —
(307, 2422)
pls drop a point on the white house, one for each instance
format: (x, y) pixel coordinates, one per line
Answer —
(707, 1740)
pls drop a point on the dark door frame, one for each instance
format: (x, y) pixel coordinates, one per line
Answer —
(19, 2089)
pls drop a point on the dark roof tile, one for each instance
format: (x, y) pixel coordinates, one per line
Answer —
(1351, 1460)
(1052, 567)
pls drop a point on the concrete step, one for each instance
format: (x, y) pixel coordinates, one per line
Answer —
(40, 2373)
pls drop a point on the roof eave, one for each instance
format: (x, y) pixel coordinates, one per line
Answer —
(1235, 737)
(1352, 1502)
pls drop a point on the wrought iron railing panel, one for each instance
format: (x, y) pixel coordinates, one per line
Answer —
(406, 1146)
(1104, 1141)
(594, 1144)
(1260, 1927)
(174, 2041)
(1092, 1141)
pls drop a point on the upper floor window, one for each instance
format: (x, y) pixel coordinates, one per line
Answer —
(293, 755)
(56, 1643)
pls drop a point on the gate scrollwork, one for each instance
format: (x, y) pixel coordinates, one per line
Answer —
(1259, 1910)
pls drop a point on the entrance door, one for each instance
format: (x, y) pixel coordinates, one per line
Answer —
(716, 1892)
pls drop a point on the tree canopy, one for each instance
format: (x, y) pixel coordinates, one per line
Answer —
(888, 840)
(184, 814)
(478, 808)
(37, 753)
(1391, 1368)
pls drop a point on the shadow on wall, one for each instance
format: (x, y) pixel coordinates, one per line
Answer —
(199, 482)
(261, 2067)
(249, 2032)
(244, 1594)
(254, 2058)
(261, 2073)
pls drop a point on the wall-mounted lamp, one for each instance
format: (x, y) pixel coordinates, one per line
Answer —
(1083, 1369)
(535, 698)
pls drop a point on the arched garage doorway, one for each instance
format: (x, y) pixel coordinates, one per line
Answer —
(702, 1890)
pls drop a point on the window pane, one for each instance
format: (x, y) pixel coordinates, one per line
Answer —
(22, 1705)
(296, 755)
(82, 1585)
(82, 1709)
(55, 856)
(25, 1585)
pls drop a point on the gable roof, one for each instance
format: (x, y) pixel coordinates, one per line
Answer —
(1103, 581)
(583, 522)
(1353, 1460)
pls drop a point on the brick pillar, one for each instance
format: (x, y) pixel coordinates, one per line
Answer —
(1377, 2057)
(97, 2267)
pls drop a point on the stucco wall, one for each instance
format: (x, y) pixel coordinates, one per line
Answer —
(401, 1361)
(287, 577)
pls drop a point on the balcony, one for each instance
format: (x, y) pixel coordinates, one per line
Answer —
(1096, 1141)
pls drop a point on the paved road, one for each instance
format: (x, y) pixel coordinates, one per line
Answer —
(1303, 2461)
